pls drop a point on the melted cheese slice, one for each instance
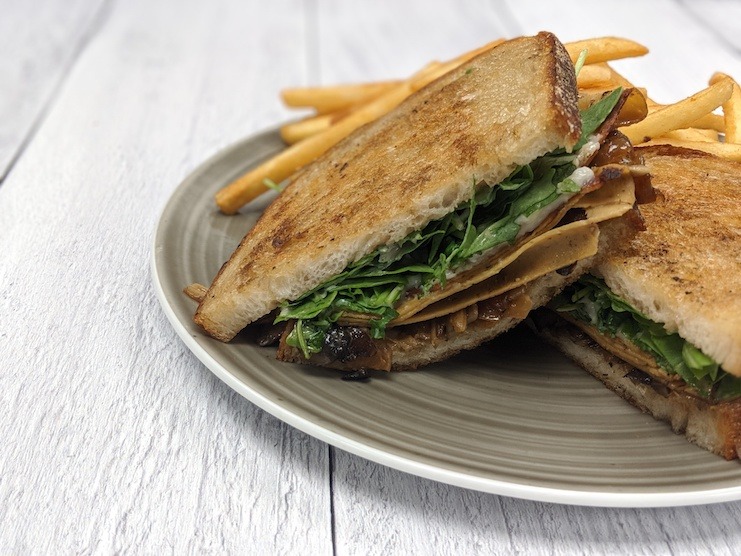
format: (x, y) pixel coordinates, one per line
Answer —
(540, 253)
(630, 353)
(618, 190)
(555, 249)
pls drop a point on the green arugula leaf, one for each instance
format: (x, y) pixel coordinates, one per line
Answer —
(593, 116)
(267, 182)
(308, 336)
(580, 61)
(590, 300)
(568, 186)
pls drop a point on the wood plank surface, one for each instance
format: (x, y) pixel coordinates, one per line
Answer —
(39, 43)
(115, 437)
(721, 18)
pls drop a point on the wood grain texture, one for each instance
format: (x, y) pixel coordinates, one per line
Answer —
(115, 437)
(384, 511)
(358, 43)
(39, 42)
(720, 17)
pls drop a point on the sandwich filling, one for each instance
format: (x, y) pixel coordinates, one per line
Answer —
(621, 329)
(372, 289)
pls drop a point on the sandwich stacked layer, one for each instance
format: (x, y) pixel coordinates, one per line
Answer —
(659, 320)
(437, 226)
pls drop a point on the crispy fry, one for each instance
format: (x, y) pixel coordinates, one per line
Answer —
(729, 151)
(604, 49)
(679, 115)
(335, 97)
(691, 134)
(296, 131)
(594, 76)
(436, 69)
(195, 291)
(710, 121)
(615, 77)
(249, 186)
(731, 109)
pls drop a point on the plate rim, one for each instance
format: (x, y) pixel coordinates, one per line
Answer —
(594, 497)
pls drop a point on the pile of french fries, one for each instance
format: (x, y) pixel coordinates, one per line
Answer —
(339, 110)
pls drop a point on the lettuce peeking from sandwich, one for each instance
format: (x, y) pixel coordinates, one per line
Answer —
(424, 259)
(591, 301)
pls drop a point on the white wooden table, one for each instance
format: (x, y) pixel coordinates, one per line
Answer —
(113, 437)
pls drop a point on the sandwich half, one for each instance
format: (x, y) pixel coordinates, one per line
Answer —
(436, 227)
(659, 318)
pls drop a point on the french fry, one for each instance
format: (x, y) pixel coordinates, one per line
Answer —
(679, 115)
(710, 121)
(728, 151)
(296, 131)
(251, 185)
(691, 134)
(335, 97)
(594, 76)
(731, 109)
(432, 71)
(615, 77)
(604, 49)
(196, 292)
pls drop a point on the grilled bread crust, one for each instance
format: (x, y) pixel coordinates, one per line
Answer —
(713, 426)
(685, 269)
(416, 164)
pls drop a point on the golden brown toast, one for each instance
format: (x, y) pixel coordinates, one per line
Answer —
(501, 110)
(685, 269)
(715, 426)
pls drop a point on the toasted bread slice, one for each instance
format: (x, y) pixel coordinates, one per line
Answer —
(715, 426)
(479, 122)
(685, 269)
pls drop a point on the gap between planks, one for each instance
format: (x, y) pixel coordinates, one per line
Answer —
(86, 37)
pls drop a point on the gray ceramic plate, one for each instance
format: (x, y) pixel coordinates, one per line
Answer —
(512, 418)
